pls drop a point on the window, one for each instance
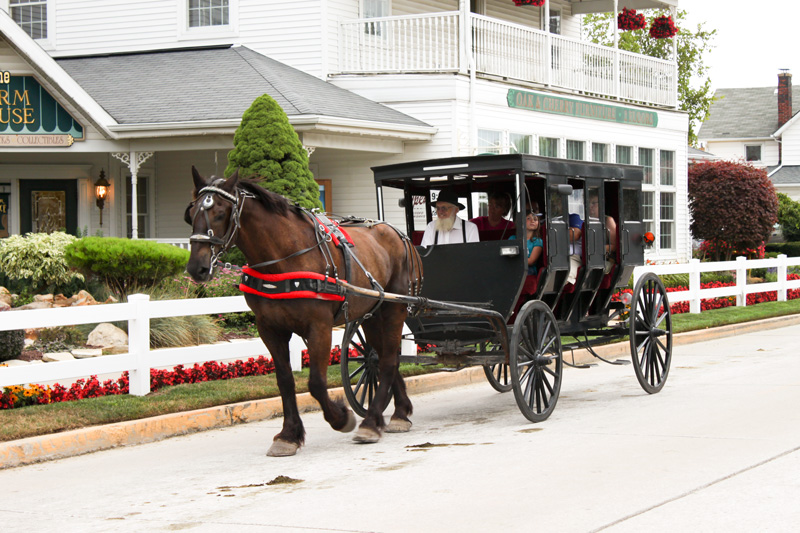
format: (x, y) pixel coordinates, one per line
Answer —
(647, 211)
(599, 152)
(142, 207)
(646, 160)
(667, 220)
(555, 21)
(667, 170)
(624, 154)
(204, 13)
(752, 152)
(519, 143)
(575, 149)
(630, 204)
(31, 16)
(489, 142)
(377, 8)
(548, 146)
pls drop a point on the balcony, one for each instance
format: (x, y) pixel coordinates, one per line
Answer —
(452, 41)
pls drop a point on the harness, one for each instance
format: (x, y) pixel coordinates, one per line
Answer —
(301, 284)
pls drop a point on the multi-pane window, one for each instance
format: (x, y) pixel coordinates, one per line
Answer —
(647, 210)
(548, 146)
(752, 152)
(667, 220)
(489, 142)
(142, 208)
(204, 13)
(667, 170)
(624, 155)
(646, 161)
(575, 149)
(377, 8)
(519, 143)
(555, 21)
(599, 152)
(31, 16)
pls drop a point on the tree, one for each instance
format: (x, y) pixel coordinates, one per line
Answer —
(789, 217)
(267, 148)
(693, 97)
(733, 206)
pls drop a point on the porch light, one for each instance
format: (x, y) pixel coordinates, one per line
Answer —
(101, 191)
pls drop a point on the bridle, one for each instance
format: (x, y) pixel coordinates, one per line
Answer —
(219, 245)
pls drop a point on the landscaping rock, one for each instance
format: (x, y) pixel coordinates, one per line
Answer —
(106, 335)
(15, 362)
(4, 306)
(57, 356)
(113, 350)
(5, 296)
(86, 353)
(41, 304)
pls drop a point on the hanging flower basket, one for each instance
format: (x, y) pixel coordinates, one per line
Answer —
(630, 20)
(528, 2)
(663, 28)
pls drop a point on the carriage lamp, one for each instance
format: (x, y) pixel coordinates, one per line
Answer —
(649, 238)
(101, 191)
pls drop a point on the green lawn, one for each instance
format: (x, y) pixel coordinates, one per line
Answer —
(46, 419)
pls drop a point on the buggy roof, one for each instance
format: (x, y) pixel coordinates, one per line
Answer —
(488, 166)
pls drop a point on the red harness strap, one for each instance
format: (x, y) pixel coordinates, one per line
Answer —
(332, 228)
(291, 285)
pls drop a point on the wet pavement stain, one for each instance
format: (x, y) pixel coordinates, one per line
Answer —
(529, 430)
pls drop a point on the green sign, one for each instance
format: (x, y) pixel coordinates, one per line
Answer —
(546, 103)
(29, 116)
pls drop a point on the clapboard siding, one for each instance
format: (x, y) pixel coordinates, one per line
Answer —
(791, 146)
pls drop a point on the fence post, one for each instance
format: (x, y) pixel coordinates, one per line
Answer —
(694, 286)
(139, 345)
(741, 281)
(782, 271)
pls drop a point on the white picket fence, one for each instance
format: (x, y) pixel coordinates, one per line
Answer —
(739, 267)
(140, 358)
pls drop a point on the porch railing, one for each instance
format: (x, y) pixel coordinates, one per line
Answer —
(439, 42)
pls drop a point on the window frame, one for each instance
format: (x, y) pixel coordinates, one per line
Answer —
(185, 32)
(617, 152)
(604, 150)
(551, 142)
(48, 17)
(760, 148)
(573, 143)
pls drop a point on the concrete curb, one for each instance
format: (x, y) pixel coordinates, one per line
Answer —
(86, 440)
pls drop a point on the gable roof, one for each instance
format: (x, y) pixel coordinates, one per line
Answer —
(745, 113)
(784, 175)
(218, 84)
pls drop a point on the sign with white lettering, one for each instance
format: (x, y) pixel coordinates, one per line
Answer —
(546, 103)
(30, 116)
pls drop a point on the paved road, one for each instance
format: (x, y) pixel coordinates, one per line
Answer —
(717, 450)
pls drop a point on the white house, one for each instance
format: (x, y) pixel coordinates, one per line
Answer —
(759, 125)
(142, 90)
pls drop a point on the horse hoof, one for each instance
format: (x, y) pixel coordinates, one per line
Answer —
(282, 448)
(366, 436)
(398, 425)
(350, 425)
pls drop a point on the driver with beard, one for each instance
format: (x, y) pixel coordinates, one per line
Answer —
(447, 227)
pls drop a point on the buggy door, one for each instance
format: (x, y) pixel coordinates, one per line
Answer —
(632, 227)
(557, 216)
(594, 226)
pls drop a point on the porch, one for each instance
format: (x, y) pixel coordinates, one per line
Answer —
(459, 42)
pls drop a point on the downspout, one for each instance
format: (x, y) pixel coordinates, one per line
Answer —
(549, 44)
(780, 159)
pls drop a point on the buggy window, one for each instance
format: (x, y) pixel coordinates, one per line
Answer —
(630, 205)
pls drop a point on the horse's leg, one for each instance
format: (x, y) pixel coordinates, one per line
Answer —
(319, 353)
(384, 331)
(399, 423)
(293, 434)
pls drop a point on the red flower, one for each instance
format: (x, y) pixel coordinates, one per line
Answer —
(663, 28)
(629, 19)
(528, 2)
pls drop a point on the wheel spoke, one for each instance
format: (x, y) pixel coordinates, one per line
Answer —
(357, 371)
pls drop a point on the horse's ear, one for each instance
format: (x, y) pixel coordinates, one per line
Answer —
(231, 183)
(199, 181)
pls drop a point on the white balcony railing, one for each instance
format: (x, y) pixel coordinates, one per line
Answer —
(439, 42)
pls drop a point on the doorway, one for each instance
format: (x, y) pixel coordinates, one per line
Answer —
(46, 206)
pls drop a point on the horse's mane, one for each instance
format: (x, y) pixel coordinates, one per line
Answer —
(271, 201)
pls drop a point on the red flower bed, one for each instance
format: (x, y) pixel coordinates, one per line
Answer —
(629, 20)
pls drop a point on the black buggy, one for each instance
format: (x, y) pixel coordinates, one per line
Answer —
(480, 307)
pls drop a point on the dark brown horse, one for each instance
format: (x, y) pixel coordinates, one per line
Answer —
(280, 240)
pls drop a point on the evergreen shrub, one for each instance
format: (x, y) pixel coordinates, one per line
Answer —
(126, 265)
(791, 249)
(36, 264)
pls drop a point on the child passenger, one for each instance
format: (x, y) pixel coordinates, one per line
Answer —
(533, 240)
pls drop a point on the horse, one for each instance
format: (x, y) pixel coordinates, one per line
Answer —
(282, 241)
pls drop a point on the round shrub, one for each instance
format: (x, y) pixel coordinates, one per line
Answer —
(126, 265)
(36, 262)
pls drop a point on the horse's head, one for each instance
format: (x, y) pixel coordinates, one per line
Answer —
(214, 217)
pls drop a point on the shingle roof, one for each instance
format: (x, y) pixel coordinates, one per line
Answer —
(786, 175)
(745, 113)
(213, 84)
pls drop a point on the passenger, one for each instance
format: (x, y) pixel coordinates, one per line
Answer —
(499, 206)
(533, 240)
(611, 232)
(575, 246)
(447, 227)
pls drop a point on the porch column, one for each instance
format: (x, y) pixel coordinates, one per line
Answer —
(134, 160)
(673, 11)
(616, 49)
(549, 40)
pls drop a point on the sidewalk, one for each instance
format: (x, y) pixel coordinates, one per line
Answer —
(92, 439)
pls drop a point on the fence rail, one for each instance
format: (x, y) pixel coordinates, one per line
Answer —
(695, 294)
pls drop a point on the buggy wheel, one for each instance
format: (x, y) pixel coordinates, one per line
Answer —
(535, 360)
(651, 333)
(359, 367)
(498, 374)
